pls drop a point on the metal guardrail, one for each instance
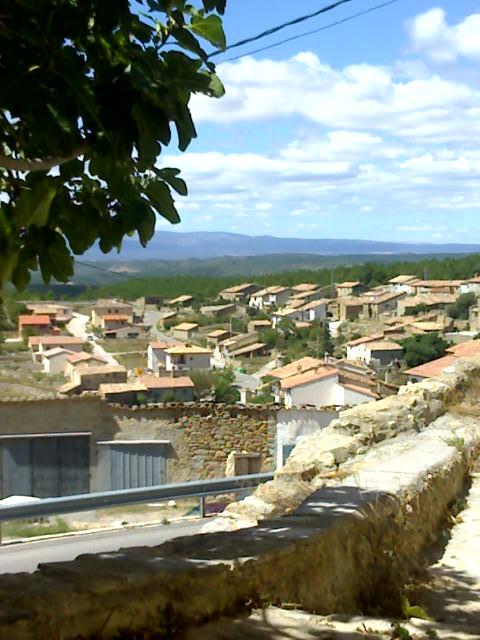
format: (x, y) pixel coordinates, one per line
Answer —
(102, 500)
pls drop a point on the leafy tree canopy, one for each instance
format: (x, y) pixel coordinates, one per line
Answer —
(459, 310)
(90, 93)
(422, 348)
(223, 388)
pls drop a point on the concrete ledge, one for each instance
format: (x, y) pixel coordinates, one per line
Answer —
(349, 546)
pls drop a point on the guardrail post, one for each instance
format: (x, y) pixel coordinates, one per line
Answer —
(202, 506)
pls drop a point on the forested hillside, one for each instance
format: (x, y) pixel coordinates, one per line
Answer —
(370, 273)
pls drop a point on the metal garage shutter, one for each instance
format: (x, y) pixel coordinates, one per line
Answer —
(45, 465)
(137, 464)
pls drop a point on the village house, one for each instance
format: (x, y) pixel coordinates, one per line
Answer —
(471, 286)
(219, 310)
(402, 284)
(350, 308)
(185, 330)
(425, 287)
(250, 350)
(151, 301)
(156, 354)
(225, 348)
(180, 301)
(296, 367)
(240, 292)
(216, 336)
(59, 314)
(309, 312)
(39, 344)
(81, 359)
(39, 325)
(89, 378)
(428, 301)
(128, 332)
(304, 297)
(54, 360)
(254, 326)
(149, 389)
(320, 388)
(110, 308)
(109, 322)
(347, 289)
(187, 357)
(382, 352)
(356, 349)
(384, 302)
(274, 296)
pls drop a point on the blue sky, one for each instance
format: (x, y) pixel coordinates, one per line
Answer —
(368, 130)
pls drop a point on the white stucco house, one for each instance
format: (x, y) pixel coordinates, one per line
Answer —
(157, 356)
(321, 388)
(182, 358)
(54, 360)
(270, 296)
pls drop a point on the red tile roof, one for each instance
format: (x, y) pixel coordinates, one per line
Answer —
(159, 382)
(465, 349)
(296, 367)
(432, 369)
(309, 376)
(33, 320)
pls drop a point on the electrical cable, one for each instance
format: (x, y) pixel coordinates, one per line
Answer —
(279, 27)
(308, 33)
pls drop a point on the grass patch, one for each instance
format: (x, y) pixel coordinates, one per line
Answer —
(132, 361)
(114, 345)
(21, 529)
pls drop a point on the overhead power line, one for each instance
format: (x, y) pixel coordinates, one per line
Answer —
(318, 30)
(279, 27)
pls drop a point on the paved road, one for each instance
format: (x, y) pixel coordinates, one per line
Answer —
(78, 327)
(26, 556)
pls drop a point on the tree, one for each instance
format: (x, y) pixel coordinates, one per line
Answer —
(286, 326)
(88, 98)
(422, 348)
(223, 388)
(325, 340)
(460, 308)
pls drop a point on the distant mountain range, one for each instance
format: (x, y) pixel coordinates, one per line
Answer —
(170, 245)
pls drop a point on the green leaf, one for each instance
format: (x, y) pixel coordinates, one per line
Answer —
(20, 276)
(148, 147)
(209, 28)
(33, 206)
(170, 175)
(162, 201)
(217, 90)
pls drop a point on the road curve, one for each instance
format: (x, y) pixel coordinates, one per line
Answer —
(26, 556)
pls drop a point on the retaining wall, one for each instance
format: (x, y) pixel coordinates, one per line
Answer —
(358, 516)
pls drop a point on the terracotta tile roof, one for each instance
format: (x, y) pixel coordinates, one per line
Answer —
(364, 340)
(348, 284)
(260, 323)
(361, 390)
(107, 368)
(274, 289)
(33, 320)
(439, 283)
(187, 348)
(308, 377)
(217, 333)
(83, 356)
(56, 351)
(185, 326)
(428, 326)
(296, 367)
(305, 287)
(238, 288)
(163, 344)
(432, 369)
(118, 317)
(384, 345)
(402, 279)
(164, 382)
(256, 346)
(60, 340)
(184, 298)
(315, 303)
(121, 387)
(465, 349)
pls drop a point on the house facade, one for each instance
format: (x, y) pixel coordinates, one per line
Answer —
(181, 359)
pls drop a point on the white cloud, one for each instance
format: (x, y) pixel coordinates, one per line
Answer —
(431, 35)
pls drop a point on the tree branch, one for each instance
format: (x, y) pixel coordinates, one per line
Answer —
(39, 164)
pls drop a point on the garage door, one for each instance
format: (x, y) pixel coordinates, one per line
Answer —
(45, 466)
(137, 464)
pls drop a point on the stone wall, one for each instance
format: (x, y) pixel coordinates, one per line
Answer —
(201, 435)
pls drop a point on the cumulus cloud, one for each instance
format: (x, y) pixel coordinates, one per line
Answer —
(373, 142)
(431, 35)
